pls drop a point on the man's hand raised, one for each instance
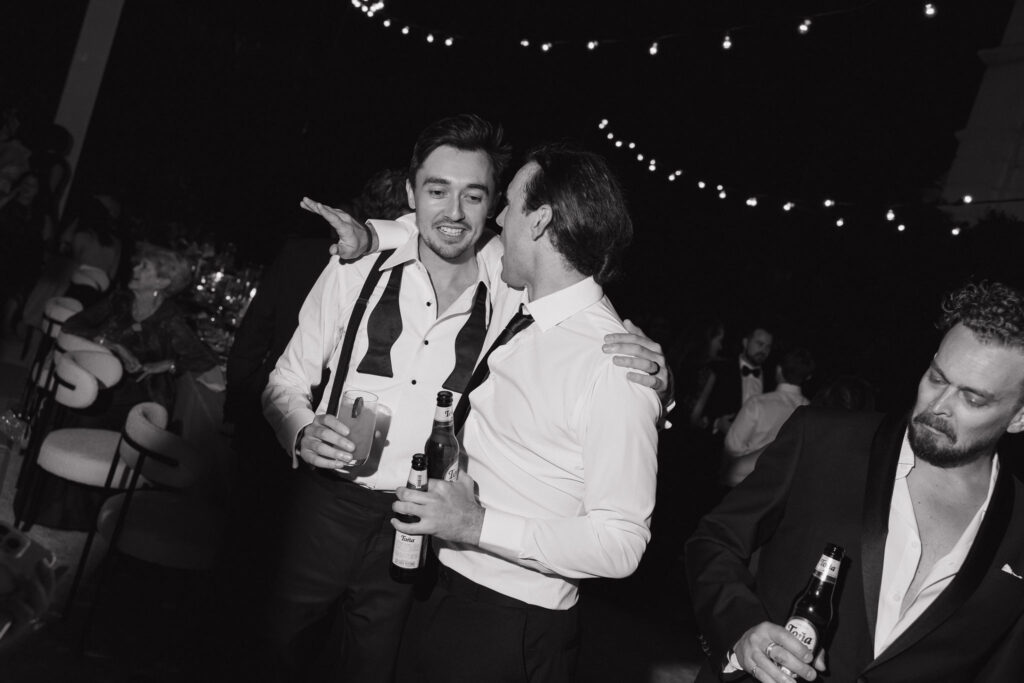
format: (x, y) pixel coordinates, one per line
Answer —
(354, 238)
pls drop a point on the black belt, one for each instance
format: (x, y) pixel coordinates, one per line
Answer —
(380, 500)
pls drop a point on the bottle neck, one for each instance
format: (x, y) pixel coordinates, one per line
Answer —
(443, 416)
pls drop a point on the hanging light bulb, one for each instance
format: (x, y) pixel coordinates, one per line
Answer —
(618, 143)
(701, 184)
(603, 124)
(639, 157)
(752, 201)
(545, 47)
(955, 231)
(387, 23)
(448, 41)
(968, 199)
(632, 145)
(671, 177)
(405, 30)
(611, 136)
(788, 206)
(901, 227)
(726, 42)
(592, 45)
(890, 215)
(430, 37)
(929, 9)
(722, 195)
(653, 49)
(829, 203)
(524, 42)
(804, 27)
(840, 222)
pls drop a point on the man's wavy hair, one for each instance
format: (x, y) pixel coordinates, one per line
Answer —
(992, 310)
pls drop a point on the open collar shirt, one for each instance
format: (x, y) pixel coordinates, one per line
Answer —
(903, 553)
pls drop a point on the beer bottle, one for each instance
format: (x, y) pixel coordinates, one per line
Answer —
(442, 448)
(812, 611)
(408, 556)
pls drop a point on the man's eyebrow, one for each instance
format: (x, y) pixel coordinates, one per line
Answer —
(434, 180)
(987, 395)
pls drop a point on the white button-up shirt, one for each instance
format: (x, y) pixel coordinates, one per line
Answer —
(422, 357)
(903, 553)
(563, 449)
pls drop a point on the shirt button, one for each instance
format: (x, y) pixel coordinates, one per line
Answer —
(428, 303)
(414, 381)
(426, 342)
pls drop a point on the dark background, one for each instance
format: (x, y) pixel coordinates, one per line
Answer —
(220, 115)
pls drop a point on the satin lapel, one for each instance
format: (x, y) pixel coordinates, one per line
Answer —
(885, 453)
(979, 559)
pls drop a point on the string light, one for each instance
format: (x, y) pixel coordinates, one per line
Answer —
(430, 37)
(653, 43)
(829, 203)
(701, 184)
(890, 215)
(968, 199)
(603, 124)
(840, 222)
(752, 201)
(449, 41)
(618, 143)
(955, 231)
(901, 227)
(722, 195)
(639, 157)
(632, 145)
(788, 206)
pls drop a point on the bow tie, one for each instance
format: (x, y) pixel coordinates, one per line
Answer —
(747, 370)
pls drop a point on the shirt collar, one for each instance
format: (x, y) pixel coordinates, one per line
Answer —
(907, 460)
(745, 364)
(788, 388)
(548, 311)
(410, 251)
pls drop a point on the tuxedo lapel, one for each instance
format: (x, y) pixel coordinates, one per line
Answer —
(881, 477)
(978, 561)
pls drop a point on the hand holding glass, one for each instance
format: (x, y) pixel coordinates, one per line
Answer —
(358, 411)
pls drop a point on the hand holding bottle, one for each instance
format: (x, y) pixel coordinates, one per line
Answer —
(764, 649)
(447, 510)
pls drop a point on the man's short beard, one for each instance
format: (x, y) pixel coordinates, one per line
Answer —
(926, 445)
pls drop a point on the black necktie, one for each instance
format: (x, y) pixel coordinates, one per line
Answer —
(520, 321)
(747, 370)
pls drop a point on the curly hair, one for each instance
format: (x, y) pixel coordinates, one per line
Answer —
(992, 310)
(168, 264)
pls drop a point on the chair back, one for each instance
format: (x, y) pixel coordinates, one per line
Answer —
(56, 311)
(75, 386)
(103, 365)
(72, 342)
(158, 455)
(91, 276)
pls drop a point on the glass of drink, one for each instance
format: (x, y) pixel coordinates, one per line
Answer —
(358, 410)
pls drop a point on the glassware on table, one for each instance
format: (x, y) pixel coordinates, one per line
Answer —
(358, 411)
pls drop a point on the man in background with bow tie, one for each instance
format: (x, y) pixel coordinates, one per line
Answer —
(738, 379)
(428, 301)
(932, 523)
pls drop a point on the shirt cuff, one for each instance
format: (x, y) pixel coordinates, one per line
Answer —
(732, 665)
(502, 534)
(294, 423)
(389, 235)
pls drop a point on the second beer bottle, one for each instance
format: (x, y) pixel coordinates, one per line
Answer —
(442, 447)
(812, 611)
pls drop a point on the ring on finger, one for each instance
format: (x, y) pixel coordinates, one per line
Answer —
(753, 672)
(657, 367)
(768, 649)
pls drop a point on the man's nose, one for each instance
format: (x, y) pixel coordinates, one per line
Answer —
(941, 404)
(455, 211)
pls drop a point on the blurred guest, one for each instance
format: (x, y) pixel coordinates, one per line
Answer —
(21, 232)
(702, 350)
(148, 331)
(50, 164)
(846, 392)
(14, 156)
(735, 380)
(762, 416)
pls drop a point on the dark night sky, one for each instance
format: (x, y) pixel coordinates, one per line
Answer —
(223, 114)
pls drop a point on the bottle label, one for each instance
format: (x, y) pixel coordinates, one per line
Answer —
(443, 414)
(407, 550)
(827, 569)
(417, 480)
(804, 631)
(452, 473)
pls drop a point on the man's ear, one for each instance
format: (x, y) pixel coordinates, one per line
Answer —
(1017, 423)
(541, 220)
(410, 195)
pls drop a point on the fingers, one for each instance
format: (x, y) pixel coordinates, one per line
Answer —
(768, 652)
(324, 443)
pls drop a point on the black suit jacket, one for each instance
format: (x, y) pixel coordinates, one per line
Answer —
(828, 478)
(727, 395)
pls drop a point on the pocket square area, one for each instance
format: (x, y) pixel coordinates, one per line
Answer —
(1009, 570)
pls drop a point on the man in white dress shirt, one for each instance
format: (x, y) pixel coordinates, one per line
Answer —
(762, 416)
(932, 523)
(560, 448)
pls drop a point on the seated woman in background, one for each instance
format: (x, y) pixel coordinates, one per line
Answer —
(149, 333)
